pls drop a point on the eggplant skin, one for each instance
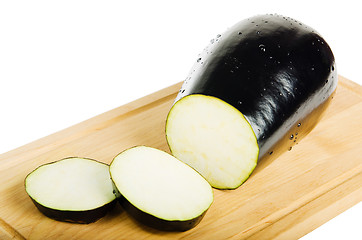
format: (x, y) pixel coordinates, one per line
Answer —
(158, 223)
(82, 217)
(275, 70)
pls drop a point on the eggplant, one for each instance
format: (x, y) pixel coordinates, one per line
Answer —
(77, 190)
(160, 191)
(247, 89)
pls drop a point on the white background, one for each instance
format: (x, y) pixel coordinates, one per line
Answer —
(62, 62)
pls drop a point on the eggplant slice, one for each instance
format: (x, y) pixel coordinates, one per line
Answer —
(274, 70)
(72, 190)
(160, 191)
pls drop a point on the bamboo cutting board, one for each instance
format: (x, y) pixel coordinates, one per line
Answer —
(289, 194)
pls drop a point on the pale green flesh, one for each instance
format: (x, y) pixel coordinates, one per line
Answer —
(159, 184)
(214, 138)
(73, 184)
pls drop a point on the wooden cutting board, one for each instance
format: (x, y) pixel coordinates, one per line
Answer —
(288, 195)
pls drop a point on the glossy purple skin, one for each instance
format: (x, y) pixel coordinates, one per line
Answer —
(158, 223)
(273, 69)
(82, 217)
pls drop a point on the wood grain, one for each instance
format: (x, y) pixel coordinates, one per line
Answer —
(288, 195)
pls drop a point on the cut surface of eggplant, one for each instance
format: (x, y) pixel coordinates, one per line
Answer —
(159, 190)
(211, 133)
(72, 189)
(273, 69)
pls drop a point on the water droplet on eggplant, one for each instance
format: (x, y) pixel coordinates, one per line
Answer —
(262, 47)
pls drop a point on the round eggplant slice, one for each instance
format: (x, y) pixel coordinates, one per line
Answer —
(160, 191)
(73, 189)
(274, 70)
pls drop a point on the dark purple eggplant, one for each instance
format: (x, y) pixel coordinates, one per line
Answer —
(78, 216)
(267, 72)
(77, 190)
(160, 191)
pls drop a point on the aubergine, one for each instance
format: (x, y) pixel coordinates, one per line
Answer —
(247, 89)
(160, 191)
(77, 190)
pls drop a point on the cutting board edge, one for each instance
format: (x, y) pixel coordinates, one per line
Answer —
(303, 219)
(8, 231)
(92, 124)
(133, 105)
